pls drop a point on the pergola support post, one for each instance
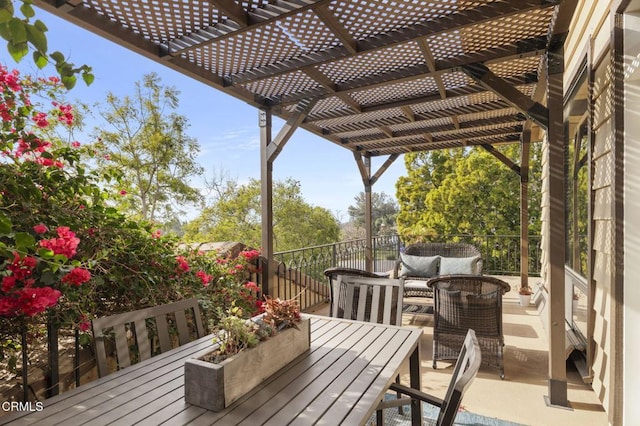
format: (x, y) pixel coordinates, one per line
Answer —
(368, 218)
(364, 166)
(266, 198)
(524, 205)
(556, 241)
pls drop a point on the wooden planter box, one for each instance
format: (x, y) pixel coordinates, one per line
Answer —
(216, 386)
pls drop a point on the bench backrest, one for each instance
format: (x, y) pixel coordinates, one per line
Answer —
(452, 250)
(131, 332)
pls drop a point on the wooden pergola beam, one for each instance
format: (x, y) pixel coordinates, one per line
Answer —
(427, 115)
(530, 47)
(503, 158)
(469, 133)
(438, 128)
(276, 145)
(233, 11)
(484, 76)
(457, 21)
(336, 27)
(427, 145)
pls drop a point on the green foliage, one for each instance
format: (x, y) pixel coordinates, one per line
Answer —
(149, 152)
(23, 36)
(469, 191)
(236, 216)
(384, 211)
(66, 254)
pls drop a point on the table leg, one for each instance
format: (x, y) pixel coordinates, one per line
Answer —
(415, 379)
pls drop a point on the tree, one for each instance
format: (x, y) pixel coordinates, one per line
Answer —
(384, 211)
(467, 191)
(236, 216)
(150, 152)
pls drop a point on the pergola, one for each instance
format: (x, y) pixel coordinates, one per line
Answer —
(377, 77)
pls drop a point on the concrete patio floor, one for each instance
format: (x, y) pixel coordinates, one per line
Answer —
(520, 396)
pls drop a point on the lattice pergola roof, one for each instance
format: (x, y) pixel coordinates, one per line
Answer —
(379, 77)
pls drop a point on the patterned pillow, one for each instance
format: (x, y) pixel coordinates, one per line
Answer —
(459, 265)
(419, 266)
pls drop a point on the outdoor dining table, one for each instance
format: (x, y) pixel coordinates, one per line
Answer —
(340, 380)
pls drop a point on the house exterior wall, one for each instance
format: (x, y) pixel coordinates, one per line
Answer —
(631, 312)
(591, 31)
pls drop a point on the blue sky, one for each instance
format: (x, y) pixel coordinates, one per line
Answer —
(226, 128)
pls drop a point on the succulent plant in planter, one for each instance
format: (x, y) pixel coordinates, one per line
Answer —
(247, 352)
(234, 333)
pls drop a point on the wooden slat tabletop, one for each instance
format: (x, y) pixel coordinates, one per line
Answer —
(339, 381)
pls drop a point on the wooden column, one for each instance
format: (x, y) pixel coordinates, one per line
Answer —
(524, 205)
(368, 217)
(266, 197)
(556, 241)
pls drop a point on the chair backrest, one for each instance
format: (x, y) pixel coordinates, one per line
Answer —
(334, 272)
(465, 371)
(458, 250)
(368, 299)
(144, 332)
(462, 302)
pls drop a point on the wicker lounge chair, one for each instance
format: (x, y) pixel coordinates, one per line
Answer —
(447, 258)
(463, 302)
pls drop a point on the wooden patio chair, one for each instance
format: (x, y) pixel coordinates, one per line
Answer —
(466, 369)
(137, 335)
(334, 272)
(463, 302)
(368, 299)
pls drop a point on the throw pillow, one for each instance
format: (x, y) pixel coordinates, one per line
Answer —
(418, 266)
(459, 265)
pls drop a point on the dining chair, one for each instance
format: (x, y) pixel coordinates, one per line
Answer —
(368, 299)
(466, 369)
(377, 300)
(137, 335)
(463, 302)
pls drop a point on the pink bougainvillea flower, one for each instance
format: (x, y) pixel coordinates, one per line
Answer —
(66, 114)
(22, 267)
(250, 285)
(40, 228)
(75, 144)
(77, 276)
(123, 192)
(66, 244)
(107, 157)
(8, 283)
(84, 324)
(204, 277)
(183, 265)
(250, 254)
(36, 300)
(156, 234)
(41, 119)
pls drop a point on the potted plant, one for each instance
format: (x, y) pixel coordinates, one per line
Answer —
(246, 352)
(524, 293)
(575, 301)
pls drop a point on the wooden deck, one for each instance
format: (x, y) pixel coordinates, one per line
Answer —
(520, 396)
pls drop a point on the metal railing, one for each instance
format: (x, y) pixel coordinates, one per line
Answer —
(301, 272)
